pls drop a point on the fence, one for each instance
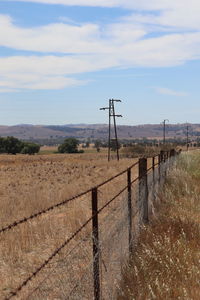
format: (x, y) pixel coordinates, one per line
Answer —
(88, 263)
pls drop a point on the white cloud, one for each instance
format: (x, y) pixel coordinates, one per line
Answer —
(175, 39)
(24, 81)
(181, 13)
(170, 92)
(49, 72)
(58, 37)
(100, 3)
(119, 40)
(57, 72)
(2, 90)
(136, 4)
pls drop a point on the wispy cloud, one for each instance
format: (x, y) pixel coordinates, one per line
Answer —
(8, 90)
(178, 13)
(126, 42)
(170, 92)
(175, 39)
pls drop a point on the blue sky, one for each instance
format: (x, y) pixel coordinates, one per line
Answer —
(60, 60)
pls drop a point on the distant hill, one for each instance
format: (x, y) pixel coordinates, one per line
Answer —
(96, 131)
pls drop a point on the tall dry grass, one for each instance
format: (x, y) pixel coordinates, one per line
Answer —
(31, 183)
(166, 262)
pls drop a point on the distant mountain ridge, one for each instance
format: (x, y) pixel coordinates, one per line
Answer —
(96, 131)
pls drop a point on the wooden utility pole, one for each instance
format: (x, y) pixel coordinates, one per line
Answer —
(111, 109)
(187, 136)
(164, 130)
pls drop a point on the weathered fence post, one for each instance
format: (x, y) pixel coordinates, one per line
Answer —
(172, 152)
(172, 155)
(162, 154)
(159, 168)
(166, 162)
(153, 178)
(95, 237)
(143, 188)
(129, 210)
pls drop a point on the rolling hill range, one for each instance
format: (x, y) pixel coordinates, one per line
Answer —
(96, 131)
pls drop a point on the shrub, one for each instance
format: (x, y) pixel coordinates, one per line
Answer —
(70, 145)
(30, 148)
(12, 145)
(114, 145)
(97, 145)
(2, 145)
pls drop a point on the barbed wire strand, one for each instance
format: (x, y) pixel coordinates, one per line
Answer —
(119, 174)
(45, 263)
(33, 216)
(49, 274)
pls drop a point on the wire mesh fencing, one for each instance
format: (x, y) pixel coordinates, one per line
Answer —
(77, 249)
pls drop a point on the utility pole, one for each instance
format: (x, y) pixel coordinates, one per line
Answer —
(164, 130)
(187, 136)
(111, 109)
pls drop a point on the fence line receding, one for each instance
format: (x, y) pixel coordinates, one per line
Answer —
(89, 260)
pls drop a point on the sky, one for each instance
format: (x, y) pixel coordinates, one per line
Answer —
(61, 60)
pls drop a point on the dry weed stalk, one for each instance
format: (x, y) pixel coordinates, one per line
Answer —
(166, 261)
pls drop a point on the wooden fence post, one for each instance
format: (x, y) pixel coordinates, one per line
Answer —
(143, 188)
(172, 152)
(95, 238)
(129, 209)
(153, 178)
(162, 155)
(159, 171)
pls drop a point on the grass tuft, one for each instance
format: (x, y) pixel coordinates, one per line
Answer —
(166, 261)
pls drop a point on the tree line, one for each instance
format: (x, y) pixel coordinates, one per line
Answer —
(12, 145)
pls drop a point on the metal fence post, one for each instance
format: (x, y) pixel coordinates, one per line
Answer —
(129, 210)
(95, 238)
(143, 188)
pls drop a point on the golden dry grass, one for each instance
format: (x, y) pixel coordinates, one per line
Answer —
(166, 261)
(31, 183)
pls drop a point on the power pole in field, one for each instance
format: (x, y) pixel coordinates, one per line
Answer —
(112, 114)
(187, 136)
(164, 130)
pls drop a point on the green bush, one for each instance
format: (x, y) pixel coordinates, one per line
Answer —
(114, 145)
(30, 148)
(12, 145)
(70, 145)
(2, 145)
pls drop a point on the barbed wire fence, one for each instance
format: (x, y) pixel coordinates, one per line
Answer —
(88, 259)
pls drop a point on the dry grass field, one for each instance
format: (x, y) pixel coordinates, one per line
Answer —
(166, 262)
(32, 183)
(29, 184)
